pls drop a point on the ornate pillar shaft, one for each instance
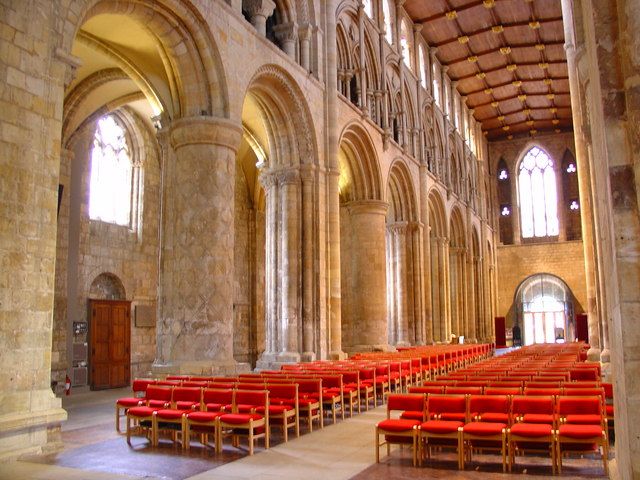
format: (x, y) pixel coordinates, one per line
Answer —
(288, 321)
(401, 293)
(270, 183)
(418, 264)
(287, 35)
(195, 333)
(305, 47)
(445, 297)
(308, 321)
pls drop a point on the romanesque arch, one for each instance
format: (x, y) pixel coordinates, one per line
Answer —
(362, 242)
(457, 274)
(405, 312)
(439, 272)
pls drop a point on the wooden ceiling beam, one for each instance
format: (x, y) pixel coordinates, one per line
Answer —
(510, 83)
(493, 51)
(492, 70)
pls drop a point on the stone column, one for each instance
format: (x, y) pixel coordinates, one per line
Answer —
(587, 220)
(427, 277)
(333, 192)
(304, 34)
(362, 72)
(259, 11)
(269, 182)
(287, 35)
(417, 266)
(369, 265)
(445, 292)
(401, 294)
(195, 332)
(309, 324)
(288, 320)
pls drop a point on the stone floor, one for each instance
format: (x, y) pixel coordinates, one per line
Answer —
(93, 450)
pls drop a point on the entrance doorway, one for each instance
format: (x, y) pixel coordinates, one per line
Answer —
(545, 310)
(109, 343)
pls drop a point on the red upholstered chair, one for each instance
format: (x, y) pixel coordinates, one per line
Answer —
(545, 392)
(543, 384)
(446, 415)
(534, 423)
(139, 388)
(351, 389)
(141, 417)
(401, 430)
(383, 382)
(205, 422)
(367, 386)
(609, 410)
(310, 405)
(283, 408)
(183, 401)
(582, 427)
(252, 425)
(492, 415)
(333, 394)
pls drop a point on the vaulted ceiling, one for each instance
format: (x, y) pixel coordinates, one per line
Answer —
(506, 57)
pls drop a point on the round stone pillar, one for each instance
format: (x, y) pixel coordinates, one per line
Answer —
(259, 11)
(195, 328)
(369, 273)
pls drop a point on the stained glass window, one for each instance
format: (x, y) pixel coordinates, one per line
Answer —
(538, 195)
(405, 44)
(111, 174)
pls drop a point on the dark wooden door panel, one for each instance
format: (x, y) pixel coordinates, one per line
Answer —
(109, 350)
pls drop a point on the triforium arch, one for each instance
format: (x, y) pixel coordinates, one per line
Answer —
(362, 243)
(458, 274)
(439, 248)
(192, 82)
(405, 309)
(278, 129)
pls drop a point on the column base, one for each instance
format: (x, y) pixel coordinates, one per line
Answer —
(403, 344)
(385, 347)
(200, 367)
(593, 354)
(308, 357)
(338, 355)
(274, 361)
(31, 432)
(605, 356)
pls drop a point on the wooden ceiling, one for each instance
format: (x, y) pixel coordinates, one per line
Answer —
(508, 60)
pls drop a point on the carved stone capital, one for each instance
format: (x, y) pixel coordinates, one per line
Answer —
(268, 180)
(305, 31)
(375, 207)
(286, 32)
(288, 177)
(398, 228)
(262, 8)
(71, 62)
(205, 131)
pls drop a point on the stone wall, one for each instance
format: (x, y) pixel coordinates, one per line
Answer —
(518, 262)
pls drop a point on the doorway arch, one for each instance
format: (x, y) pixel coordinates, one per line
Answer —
(544, 306)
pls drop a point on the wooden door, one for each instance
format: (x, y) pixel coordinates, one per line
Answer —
(109, 343)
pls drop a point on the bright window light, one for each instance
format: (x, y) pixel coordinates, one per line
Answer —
(538, 195)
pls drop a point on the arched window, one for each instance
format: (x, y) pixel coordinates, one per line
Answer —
(437, 91)
(571, 204)
(422, 66)
(405, 44)
(111, 174)
(537, 195)
(368, 8)
(386, 12)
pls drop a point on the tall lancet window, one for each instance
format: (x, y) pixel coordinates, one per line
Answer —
(386, 13)
(538, 195)
(111, 174)
(368, 8)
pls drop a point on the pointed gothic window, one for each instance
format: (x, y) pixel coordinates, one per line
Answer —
(423, 66)
(368, 8)
(111, 174)
(386, 12)
(537, 195)
(405, 44)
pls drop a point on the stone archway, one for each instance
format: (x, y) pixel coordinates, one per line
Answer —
(362, 240)
(439, 272)
(405, 312)
(457, 275)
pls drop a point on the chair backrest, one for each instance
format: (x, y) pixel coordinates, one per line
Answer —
(437, 404)
(431, 389)
(542, 384)
(489, 404)
(542, 391)
(139, 385)
(471, 383)
(522, 404)
(503, 391)
(309, 386)
(186, 394)
(159, 392)
(178, 378)
(581, 384)
(218, 395)
(331, 381)
(406, 401)
(608, 390)
(219, 385)
(568, 405)
(194, 383)
(584, 374)
(254, 398)
(585, 392)
(463, 390)
(169, 383)
(284, 392)
(251, 385)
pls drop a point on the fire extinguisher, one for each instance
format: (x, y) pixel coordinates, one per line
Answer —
(67, 386)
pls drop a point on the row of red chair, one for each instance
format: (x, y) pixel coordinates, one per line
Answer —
(504, 423)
